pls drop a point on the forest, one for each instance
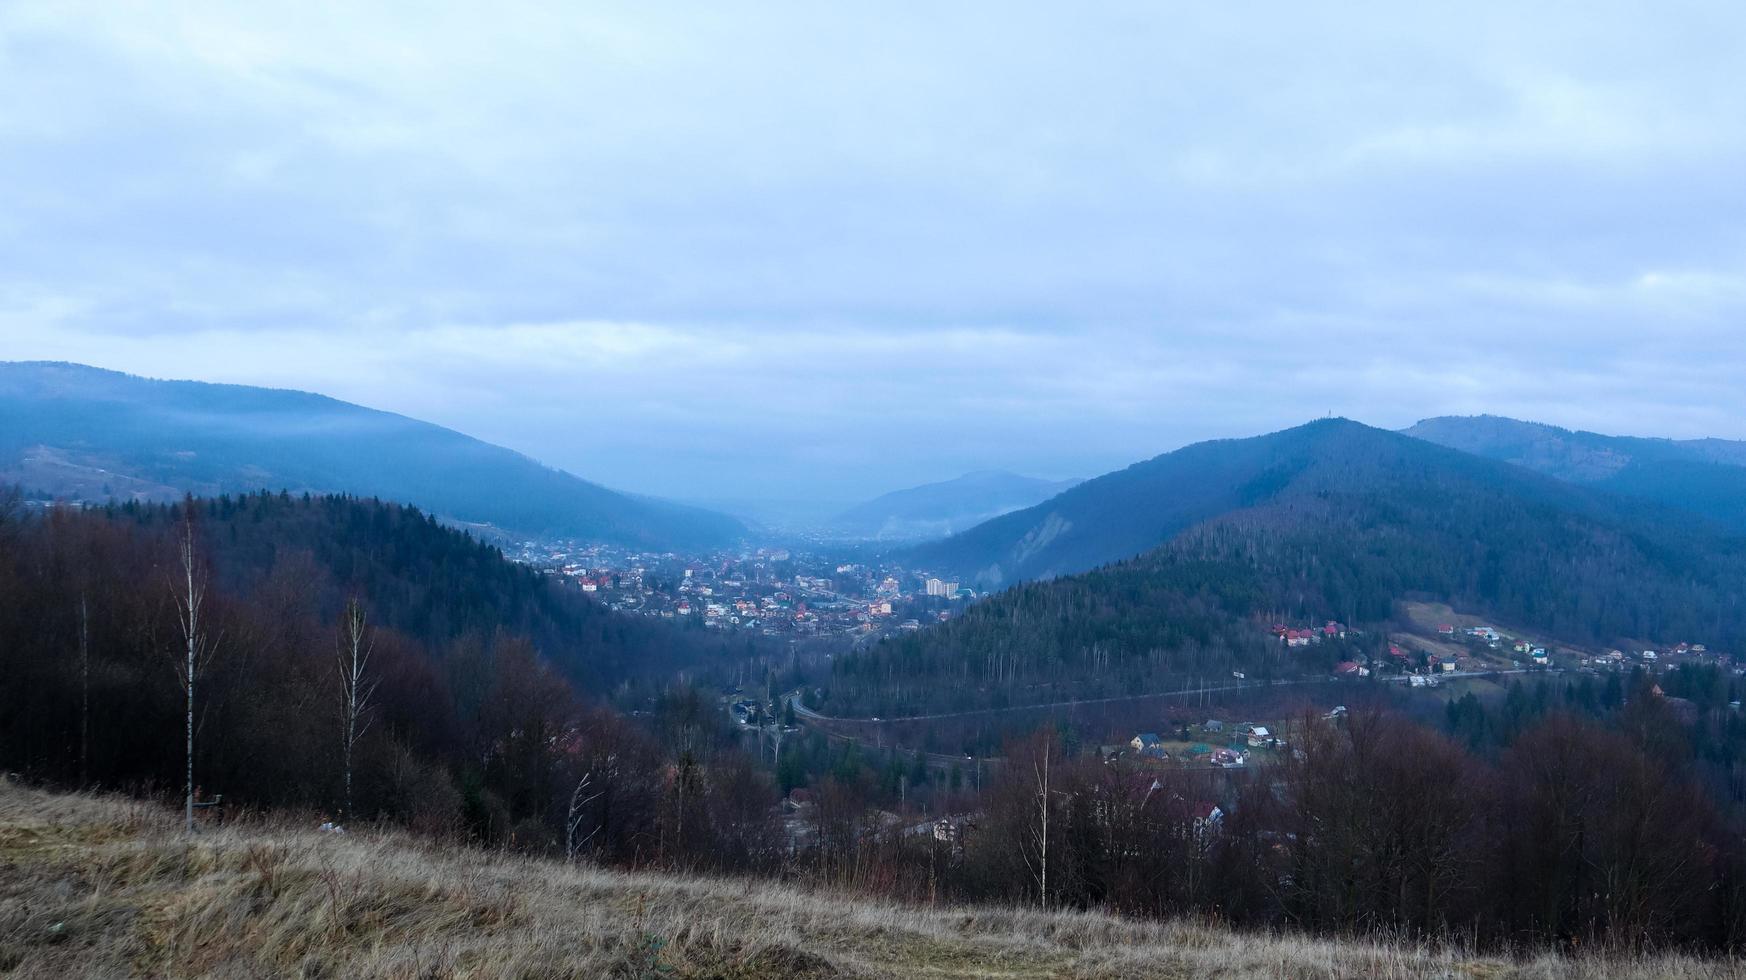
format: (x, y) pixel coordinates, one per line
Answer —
(1342, 544)
(362, 664)
(477, 724)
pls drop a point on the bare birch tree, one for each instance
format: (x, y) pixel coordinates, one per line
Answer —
(357, 686)
(199, 646)
(1039, 831)
(84, 691)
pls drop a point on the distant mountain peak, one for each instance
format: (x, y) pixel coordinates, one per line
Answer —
(934, 510)
(1703, 476)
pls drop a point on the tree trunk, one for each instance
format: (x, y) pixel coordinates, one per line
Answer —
(84, 692)
(193, 611)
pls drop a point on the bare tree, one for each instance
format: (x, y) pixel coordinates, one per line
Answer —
(1037, 855)
(199, 646)
(84, 691)
(357, 686)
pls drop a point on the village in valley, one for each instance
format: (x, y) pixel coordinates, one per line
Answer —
(769, 591)
(1182, 766)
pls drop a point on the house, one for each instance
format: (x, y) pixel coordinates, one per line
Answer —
(1347, 668)
(1208, 818)
(1446, 629)
(1149, 744)
(1259, 736)
(1448, 666)
(1651, 656)
(1214, 725)
(1539, 656)
(1229, 758)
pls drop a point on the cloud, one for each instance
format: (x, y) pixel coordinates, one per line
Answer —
(838, 249)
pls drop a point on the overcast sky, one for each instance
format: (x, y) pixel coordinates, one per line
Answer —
(819, 249)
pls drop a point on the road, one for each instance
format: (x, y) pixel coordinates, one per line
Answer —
(801, 710)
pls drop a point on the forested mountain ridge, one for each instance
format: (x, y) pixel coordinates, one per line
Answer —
(1704, 476)
(1341, 521)
(88, 434)
(423, 579)
(1120, 514)
(478, 665)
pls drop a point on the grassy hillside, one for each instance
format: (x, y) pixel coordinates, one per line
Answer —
(101, 887)
(89, 434)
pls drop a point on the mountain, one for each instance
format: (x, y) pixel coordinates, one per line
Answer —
(939, 509)
(1329, 521)
(1121, 514)
(1704, 476)
(84, 433)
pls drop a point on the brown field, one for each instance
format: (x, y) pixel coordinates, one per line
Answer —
(104, 887)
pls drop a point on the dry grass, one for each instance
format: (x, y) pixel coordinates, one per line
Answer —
(102, 887)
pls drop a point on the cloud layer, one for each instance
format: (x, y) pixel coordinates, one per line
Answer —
(826, 250)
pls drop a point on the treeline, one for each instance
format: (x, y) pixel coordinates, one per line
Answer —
(424, 580)
(472, 724)
(1584, 830)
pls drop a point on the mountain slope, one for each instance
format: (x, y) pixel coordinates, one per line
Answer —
(939, 509)
(1704, 476)
(91, 434)
(1332, 521)
(1121, 514)
(468, 649)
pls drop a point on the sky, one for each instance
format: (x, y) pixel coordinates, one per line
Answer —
(816, 251)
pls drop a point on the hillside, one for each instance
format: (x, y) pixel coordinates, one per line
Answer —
(1704, 476)
(1120, 514)
(472, 655)
(423, 579)
(99, 887)
(1330, 521)
(939, 509)
(82, 433)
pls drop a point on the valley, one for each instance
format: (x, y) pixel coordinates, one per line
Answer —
(1358, 638)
